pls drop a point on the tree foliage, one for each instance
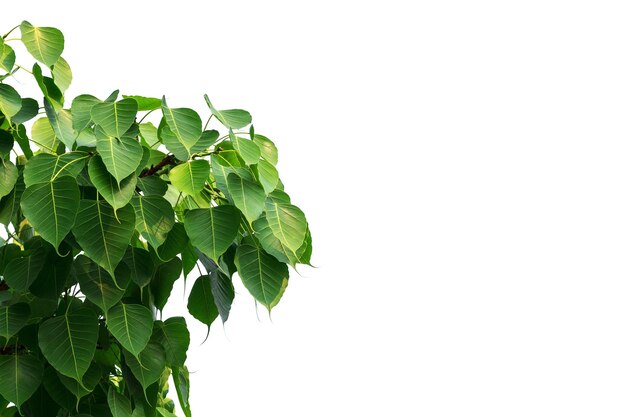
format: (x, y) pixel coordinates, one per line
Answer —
(103, 212)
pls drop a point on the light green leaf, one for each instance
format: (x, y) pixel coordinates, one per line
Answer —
(98, 285)
(184, 123)
(272, 245)
(62, 74)
(212, 230)
(119, 405)
(30, 109)
(20, 376)
(155, 218)
(21, 272)
(68, 342)
(149, 364)
(268, 176)
(103, 238)
(248, 150)
(248, 196)
(115, 118)
(164, 412)
(43, 135)
(263, 275)
(42, 168)
(81, 111)
(149, 133)
(287, 223)
(116, 194)
(51, 208)
(191, 176)
(10, 100)
(131, 325)
(8, 177)
(146, 103)
(174, 336)
(61, 123)
(232, 119)
(225, 163)
(7, 57)
(201, 304)
(12, 319)
(268, 149)
(45, 44)
(120, 156)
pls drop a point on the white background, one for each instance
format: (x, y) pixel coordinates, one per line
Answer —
(462, 167)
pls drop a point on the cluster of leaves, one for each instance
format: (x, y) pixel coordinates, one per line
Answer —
(103, 213)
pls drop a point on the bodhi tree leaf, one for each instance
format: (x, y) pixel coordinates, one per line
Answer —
(12, 319)
(52, 207)
(68, 341)
(164, 279)
(29, 109)
(248, 196)
(155, 218)
(248, 150)
(61, 123)
(119, 405)
(7, 56)
(180, 376)
(81, 111)
(102, 236)
(146, 103)
(43, 168)
(121, 156)
(20, 376)
(263, 275)
(141, 266)
(62, 74)
(98, 285)
(116, 194)
(268, 176)
(131, 325)
(174, 336)
(201, 304)
(21, 272)
(43, 135)
(10, 100)
(45, 44)
(268, 149)
(184, 123)
(148, 365)
(115, 118)
(8, 177)
(287, 223)
(232, 119)
(191, 176)
(212, 230)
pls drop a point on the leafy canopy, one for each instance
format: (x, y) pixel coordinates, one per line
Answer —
(106, 203)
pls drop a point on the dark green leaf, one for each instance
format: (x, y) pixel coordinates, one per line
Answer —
(152, 186)
(29, 109)
(141, 266)
(149, 364)
(12, 319)
(184, 123)
(20, 376)
(116, 194)
(131, 325)
(43, 167)
(164, 279)
(175, 242)
(21, 272)
(98, 285)
(212, 230)
(174, 336)
(118, 404)
(120, 156)
(201, 304)
(180, 376)
(248, 196)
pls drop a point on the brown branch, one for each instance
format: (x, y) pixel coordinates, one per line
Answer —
(168, 160)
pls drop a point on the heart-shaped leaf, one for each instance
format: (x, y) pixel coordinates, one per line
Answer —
(45, 44)
(115, 118)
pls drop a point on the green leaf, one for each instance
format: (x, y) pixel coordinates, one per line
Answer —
(174, 336)
(9, 204)
(149, 133)
(163, 282)
(287, 223)
(40, 404)
(115, 118)
(232, 119)
(149, 364)
(248, 196)
(20, 376)
(184, 123)
(263, 275)
(79, 389)
(146, 103)
(268, 176)
(223, 292)
(45, 44)
(61, 123)
(51, 208)
(21, 272)
(201, 304)
(131, 325)
(119, 405)
(268, 149)
(141, 266)
(272, 245)
(81, 111)
(12, 319)
(103, 238)
(175, 242)
(152, 185)
(53, 278)
(68, 342)
(212, 230)
(155, 218)
(62, 74)
(6, 143)
(120, 156)
(10, 101)
(43, 135)
(248, 150)
(225, 163)
(43, 167)
(30, 109)
(98, 285)
(8, 177)
(116, 194)
(191, 176)
(180, 376)
(21, 138)
(7, 57)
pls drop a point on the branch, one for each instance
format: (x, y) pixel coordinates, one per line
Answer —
(168, 160)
